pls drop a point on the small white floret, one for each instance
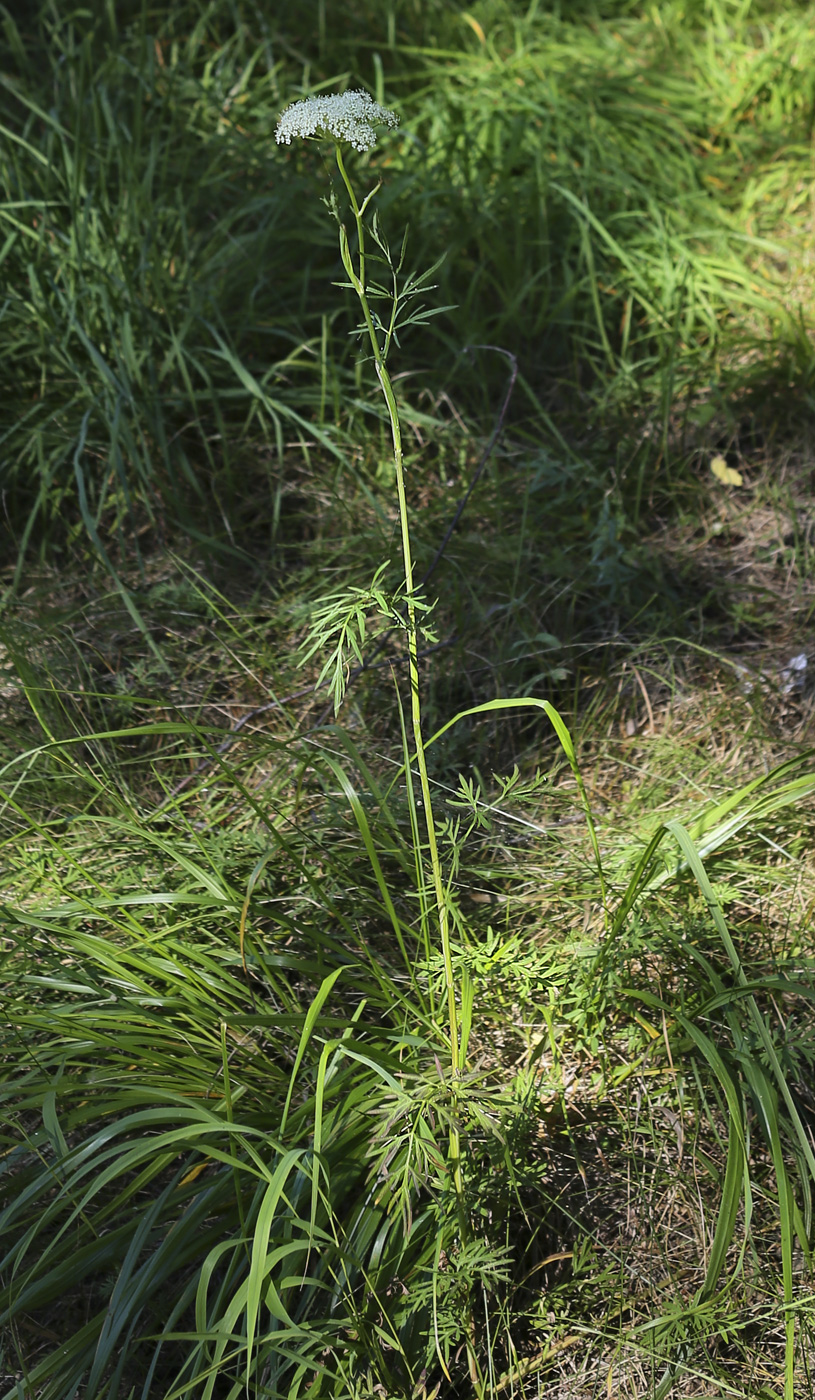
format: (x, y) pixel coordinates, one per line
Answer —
(346, 116)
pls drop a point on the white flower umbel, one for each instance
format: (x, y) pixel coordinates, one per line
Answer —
(344, 116)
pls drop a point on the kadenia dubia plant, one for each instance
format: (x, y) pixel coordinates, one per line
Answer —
(351, 118)
(339, 624)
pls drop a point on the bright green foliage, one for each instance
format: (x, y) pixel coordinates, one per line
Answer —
(225, 1121)
(262, 1131)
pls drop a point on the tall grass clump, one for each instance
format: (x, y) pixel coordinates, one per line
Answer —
(623, 210)
(602, 180)
(150, 324)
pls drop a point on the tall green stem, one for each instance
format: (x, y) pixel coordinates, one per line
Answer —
(380, 351)
(358, 282)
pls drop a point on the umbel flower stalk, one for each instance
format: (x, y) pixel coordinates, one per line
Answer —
(351, 118)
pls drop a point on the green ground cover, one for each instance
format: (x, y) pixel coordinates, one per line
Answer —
(230, 1105)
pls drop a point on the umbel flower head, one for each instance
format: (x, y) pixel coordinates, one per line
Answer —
(346, 116)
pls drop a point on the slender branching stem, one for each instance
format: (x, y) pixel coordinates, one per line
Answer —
(357, 277)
